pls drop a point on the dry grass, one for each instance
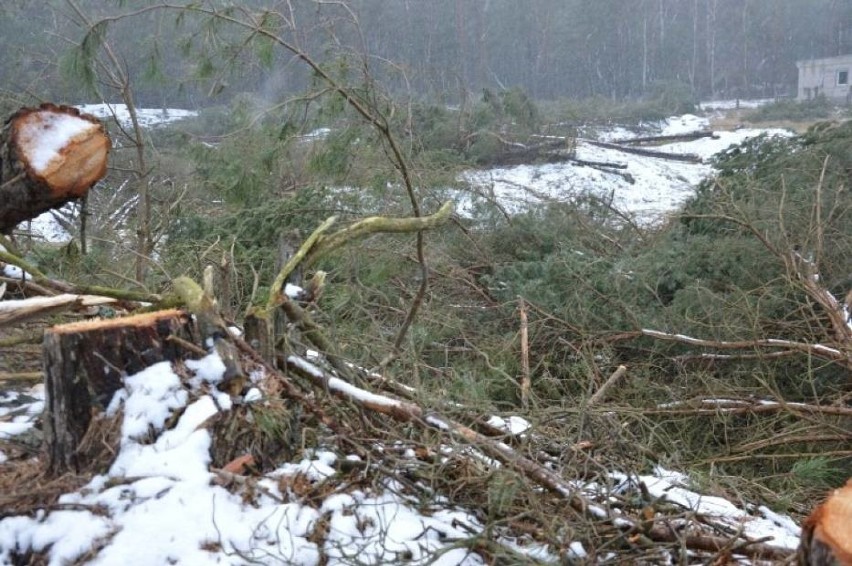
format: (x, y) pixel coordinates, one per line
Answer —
(25, 486)
(736, 119)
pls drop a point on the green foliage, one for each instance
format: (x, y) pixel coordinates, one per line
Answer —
(819, 471)
(333, 158)
(78, 64)
(775, 186)
(509, 110)
(435, 127)
(247, 236)
(664, 99)
(817, 109)
(670, 98)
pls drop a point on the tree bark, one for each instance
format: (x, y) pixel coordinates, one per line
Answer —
(49, 156)
(85, 363)
(689, 136)
(685, 157)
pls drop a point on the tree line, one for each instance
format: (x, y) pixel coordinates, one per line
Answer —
(622, 49)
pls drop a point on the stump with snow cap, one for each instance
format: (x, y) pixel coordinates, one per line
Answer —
(49, 156)
(86, 362)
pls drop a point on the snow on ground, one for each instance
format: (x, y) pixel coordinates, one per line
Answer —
(160, 503)
(46, 227)
(16, 417)
(756, 523)
(734, 103)
(147, 117)
(655, 187)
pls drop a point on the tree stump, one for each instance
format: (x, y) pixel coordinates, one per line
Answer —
(85, 364)
(49, 156)
(826, 539)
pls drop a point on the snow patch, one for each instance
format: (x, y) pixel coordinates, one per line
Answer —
(42, 139)
(146, 117)
(647, 190)
(514, 425)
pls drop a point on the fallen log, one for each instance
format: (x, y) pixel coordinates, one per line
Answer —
(49, 156)
(25, 309)
(85, 364)
(516, 153)
(685, 157)
(602, 165)
(689, 136)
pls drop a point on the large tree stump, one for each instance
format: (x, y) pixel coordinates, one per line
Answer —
(85, 363)
(827, 533)
(49, 156)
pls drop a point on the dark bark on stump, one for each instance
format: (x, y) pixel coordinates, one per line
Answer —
(85, 364)
(37, 172)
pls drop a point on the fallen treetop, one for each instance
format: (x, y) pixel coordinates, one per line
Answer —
(48, 156)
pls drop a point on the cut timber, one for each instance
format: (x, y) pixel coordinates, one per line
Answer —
(688, 136)
(827, 533)
(49, 156)
(686, 157)
(25, 309)
(85, 363)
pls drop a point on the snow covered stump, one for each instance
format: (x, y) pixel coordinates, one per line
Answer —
(86, 362)
(48, 156)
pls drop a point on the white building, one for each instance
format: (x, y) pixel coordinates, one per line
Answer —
(830, 77)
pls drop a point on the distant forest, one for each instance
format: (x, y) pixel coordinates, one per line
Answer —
(439, 49)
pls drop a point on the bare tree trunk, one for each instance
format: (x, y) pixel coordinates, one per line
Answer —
(644, 53)
(745, 82)
(694, 63)
(461, 38)
(143, 211)
(711, 44)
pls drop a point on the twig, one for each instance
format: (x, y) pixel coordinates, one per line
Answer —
(187, 345)
(276, 297)
(601, 393)
(818, 350)
(375, 224)
(34, 338)
(41, 279)
(405, 411)
(22, 376)
(792, 439)
(748, 407)
(525, 355)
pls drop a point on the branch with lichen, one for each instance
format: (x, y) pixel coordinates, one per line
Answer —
(374, 225)
(64, 287)
(276, 297)
(319, 244)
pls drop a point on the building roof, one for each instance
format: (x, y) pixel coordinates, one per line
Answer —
(825, 60)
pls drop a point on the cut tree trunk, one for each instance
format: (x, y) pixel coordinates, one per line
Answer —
(686, 157)
(688, 136)
(49, 156)
(85, 364)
